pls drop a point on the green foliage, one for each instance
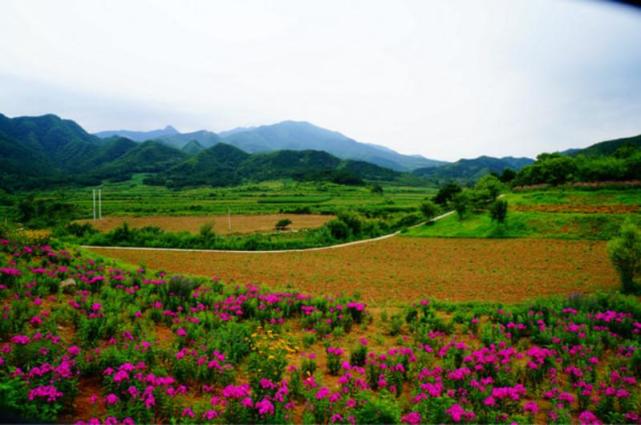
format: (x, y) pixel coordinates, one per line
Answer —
(283, 224)
(498, 210)
(429, 209)
(625, 253)
(446, 193)
(461, 203)
(379, 410)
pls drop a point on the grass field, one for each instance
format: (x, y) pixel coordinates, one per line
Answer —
(399, 270)
(192, 224)
(132, 198)
(582, 215)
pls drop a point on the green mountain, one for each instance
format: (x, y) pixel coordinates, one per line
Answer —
(45, 151)
(63, 142)
(286, 135)
(225, 165)
(296, 135)
(205, 138)
(146, 157)
(609, 147)
(192, 148)
(472, 169)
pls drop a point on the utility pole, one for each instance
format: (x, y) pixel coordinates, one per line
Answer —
(93, 196)
(99, 204)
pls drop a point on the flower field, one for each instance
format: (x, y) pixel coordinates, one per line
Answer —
(82, 340)
(220, 223)
(399, 269)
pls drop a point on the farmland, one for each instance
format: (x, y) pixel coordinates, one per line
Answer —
(89, 341)
(398, 269)
(132, 198)
(236, 224)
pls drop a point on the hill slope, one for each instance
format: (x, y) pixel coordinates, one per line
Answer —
(296, 135)
(608, 147)
(225, 165)
(472, 169)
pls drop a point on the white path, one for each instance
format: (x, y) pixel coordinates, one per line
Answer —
(227, 251)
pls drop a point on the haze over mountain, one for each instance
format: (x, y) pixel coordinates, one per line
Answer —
(295, 135)
(139, 136)
(45, 150)
(48, 150)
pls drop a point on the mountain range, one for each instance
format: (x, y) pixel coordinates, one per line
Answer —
(47, 150)
(286, 135)
(38, 152)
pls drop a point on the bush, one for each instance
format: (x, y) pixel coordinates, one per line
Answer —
(383, 410)
(498, 211)
(429, 209)
(338, 229)
(282, 224)
(625, 253)
(446, 193)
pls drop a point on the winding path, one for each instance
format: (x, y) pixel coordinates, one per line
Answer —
(320, 248)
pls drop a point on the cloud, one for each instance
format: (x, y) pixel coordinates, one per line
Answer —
(444, 79)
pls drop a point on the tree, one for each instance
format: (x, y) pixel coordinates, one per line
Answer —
(429, 209)
(282, 224)
(446, 193)
(486, 190)
(377, 189)
(507, 176)
(625, 254)
(498, 211)
(461, 203)
(206, 232)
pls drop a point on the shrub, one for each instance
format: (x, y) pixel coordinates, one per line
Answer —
(283, 224)
(498, 211)
(625, 254)
(429, 209)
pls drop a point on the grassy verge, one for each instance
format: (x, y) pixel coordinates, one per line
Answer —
(527, 225)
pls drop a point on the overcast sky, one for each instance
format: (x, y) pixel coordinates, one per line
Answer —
(445, 79)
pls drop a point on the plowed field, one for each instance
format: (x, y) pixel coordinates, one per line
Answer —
(401, 270)
(239, 223)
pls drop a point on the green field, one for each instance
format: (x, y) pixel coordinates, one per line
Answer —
(135, 199)
(545, 214)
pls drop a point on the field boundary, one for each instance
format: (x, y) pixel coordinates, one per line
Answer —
(279, 251)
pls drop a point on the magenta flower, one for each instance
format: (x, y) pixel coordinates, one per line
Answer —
(588, 418)
(111, 399)
(181, 332)
(265, 407)
(531, 407)
(412, 418)
(322, 393)
(456, 412)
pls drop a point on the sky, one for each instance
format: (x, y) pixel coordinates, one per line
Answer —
(445, 79)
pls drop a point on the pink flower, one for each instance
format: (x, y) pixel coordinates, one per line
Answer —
(322, 393)
(188, 412)
(111, 399)
(96, 307)
(265, 407)
(210, 415)
(531, 407)
(74, 350)
(456, 412)
(412, 418)
(588, 418)
(181, 332)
